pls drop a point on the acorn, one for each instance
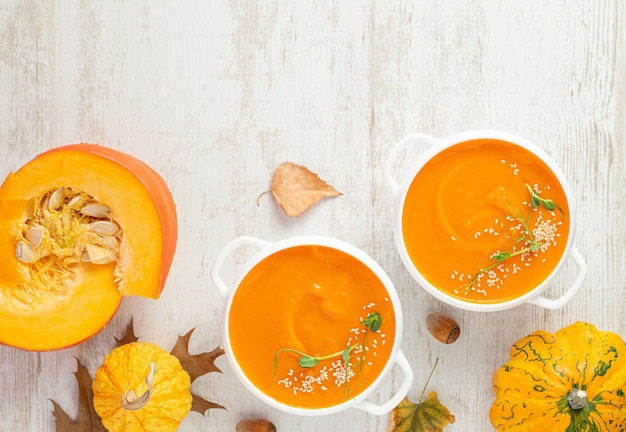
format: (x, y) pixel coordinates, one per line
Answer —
(255, 425)
(443, 328)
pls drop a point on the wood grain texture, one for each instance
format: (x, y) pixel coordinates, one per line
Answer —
(214, 95)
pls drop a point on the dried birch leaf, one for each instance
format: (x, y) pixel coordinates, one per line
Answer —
(427, 416)
(87, 420)
(296, 188)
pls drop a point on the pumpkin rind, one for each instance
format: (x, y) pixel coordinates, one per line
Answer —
(124, 369)
(533, 386)
(47, 316)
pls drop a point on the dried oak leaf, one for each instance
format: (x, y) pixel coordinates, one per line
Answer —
(197, 365)
(129, 336)
(296, 188)
(427, 416)
(88, 420)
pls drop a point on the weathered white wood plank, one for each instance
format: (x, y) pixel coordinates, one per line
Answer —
(214, 95)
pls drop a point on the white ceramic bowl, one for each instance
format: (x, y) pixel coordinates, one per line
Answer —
(266, 249)
(400, 190)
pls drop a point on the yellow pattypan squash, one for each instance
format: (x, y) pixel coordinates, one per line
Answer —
(141, 387)
(571, 381)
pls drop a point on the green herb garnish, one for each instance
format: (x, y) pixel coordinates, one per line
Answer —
(308, 361)
(527, 236)
(536, 201)
(372, 323)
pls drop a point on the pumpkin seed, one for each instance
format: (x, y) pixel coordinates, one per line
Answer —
(96, 210)
(25, 253)
(34, 236)
(104, 227)
(56, 198)
(75, 202)
(108, 241)
(84, 256)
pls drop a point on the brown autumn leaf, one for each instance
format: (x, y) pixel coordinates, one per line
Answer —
(88, 420)
(129, 336)
(197, 365)
(427, 416)
(296, 188)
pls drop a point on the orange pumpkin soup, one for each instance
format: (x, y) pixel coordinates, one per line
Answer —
(311, 326)
(485, 221)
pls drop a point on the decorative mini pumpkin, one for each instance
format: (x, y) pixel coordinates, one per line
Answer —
(82, 225)
(573, 380)
(141, 387)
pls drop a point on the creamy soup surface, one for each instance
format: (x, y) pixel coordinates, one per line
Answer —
(316, 305)
(485, 221)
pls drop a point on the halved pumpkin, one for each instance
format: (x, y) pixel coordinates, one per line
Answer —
(82, 225)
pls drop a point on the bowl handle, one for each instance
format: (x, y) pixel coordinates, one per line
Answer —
(400, 394)
(414, 138)
(229, 249)
(571, 292)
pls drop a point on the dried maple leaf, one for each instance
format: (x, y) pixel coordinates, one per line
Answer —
(129, 335)
(87, 420)
(197, 365)
(427, 416)
(296, 188)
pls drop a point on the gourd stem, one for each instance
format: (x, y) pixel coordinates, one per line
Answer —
(130, 401)
(577, 399)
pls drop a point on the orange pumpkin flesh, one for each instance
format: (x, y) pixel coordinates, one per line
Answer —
(57, 301)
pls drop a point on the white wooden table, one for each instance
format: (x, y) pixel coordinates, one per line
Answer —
(215, 94)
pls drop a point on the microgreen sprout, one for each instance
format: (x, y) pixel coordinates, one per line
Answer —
(536, 200)
(526, 237)
(309, 361)
(372, 323)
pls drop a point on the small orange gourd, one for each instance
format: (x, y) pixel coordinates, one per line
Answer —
(80, 226)
(572, 380)
(141, 387)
